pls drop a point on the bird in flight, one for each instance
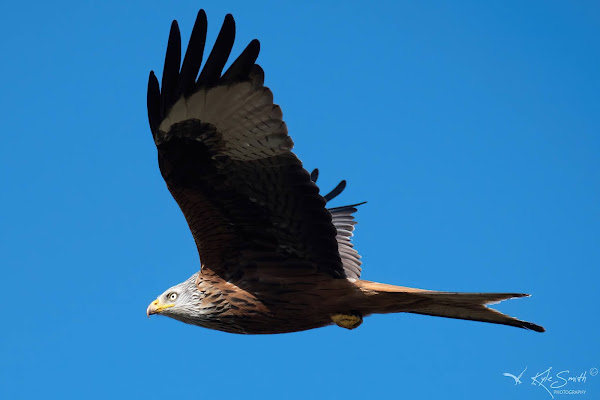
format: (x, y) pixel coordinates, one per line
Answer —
(274, 258)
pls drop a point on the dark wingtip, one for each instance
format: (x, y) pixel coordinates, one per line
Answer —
(255, 43)
(153, 101)
(220, 53)
(193, 55)
(171, 69)
(241, 68)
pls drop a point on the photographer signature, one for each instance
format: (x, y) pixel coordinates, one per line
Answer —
(547, 380)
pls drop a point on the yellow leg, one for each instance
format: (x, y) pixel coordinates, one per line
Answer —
(348, 321)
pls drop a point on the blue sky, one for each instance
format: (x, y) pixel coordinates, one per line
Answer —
(471, 128)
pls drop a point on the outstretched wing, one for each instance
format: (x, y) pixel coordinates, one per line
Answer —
(226, 157)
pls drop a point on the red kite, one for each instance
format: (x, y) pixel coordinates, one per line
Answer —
(274, 259)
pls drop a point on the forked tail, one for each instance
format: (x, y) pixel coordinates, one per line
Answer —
(383, 299)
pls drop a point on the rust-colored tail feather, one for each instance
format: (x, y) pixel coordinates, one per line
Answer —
(383, 299)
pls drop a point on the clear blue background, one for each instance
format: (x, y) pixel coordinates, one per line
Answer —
(472, 128)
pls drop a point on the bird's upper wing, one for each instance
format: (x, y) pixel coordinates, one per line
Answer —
(226, 157)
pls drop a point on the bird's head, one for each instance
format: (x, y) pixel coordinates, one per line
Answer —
(177, 301)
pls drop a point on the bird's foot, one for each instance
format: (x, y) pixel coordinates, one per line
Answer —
(347, 320)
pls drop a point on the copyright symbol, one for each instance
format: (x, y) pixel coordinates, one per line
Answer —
(593, 371)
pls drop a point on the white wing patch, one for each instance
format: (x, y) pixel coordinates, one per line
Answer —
(243, 113)
(344, 223)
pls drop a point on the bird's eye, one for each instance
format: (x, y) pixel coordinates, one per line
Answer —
(172, 296)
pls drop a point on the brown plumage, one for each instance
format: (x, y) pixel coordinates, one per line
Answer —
(274, 258)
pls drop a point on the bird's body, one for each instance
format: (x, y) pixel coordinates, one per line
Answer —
(302, 302)
(256, 308)
(274, 258)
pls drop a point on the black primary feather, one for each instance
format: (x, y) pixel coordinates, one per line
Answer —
(193, 56)
(153, 100)
(170, 76)
(220, 53)
(242, 66)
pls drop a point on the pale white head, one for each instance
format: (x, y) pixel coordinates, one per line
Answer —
(182, 302)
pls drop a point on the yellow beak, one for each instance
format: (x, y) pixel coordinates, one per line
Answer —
(155, 307)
